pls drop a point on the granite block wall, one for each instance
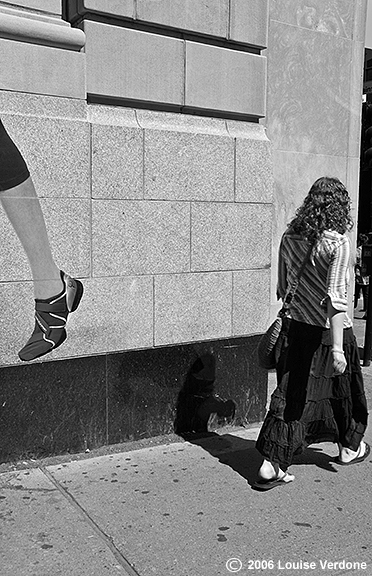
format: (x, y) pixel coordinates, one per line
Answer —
(158, 212)
(146, 209)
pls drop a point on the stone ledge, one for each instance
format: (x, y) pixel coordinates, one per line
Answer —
(248, 130)
(44, 70)
(112, 116)
(24, 27)
(40, 106)
(51, 7)
(174, 122)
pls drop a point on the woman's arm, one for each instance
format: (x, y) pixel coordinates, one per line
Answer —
(336, 301)
(336, 321)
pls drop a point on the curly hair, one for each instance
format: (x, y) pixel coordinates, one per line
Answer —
(326, 207)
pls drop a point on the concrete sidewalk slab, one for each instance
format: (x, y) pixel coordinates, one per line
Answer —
(43, 535)
(186, 509)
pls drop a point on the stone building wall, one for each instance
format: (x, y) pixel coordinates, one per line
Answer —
(141, 123)
(159, 212)
(314, 98)
(144, 126)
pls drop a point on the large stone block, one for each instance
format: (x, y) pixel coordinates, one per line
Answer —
(251, 297)
(117, 162)
(68, 226)
(136, 237)
(254, 171)
(304, 65)
(226, 80)
(191, 307)
(230, 236)
(325, 16)
(202, 17)
(115, 314)
(56, 151)
(115, 7)
(188, 166)
(249, 21)
(143, 387)
(52, 407)
(126, 63)
(41, 70)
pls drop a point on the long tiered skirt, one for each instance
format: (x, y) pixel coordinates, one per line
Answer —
(310, 403)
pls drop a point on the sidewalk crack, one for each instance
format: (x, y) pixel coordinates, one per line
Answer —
(107, 539)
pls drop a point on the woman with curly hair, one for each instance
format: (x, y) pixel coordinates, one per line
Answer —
(320, 393)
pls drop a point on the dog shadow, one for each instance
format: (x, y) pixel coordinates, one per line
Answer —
(197, 401)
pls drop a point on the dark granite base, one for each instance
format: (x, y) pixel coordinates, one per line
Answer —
(66, 406)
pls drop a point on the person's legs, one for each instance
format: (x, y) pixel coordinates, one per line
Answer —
(23, 209)
(56, 293)
(349, 406)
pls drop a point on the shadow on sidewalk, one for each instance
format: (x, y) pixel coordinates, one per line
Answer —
(241, 455)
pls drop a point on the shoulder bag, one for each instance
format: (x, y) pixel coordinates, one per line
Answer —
(267, 349)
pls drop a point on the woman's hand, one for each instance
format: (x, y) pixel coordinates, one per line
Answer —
(339, 362)
(336, 321)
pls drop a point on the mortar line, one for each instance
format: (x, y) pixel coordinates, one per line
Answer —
(235, 170)
(184, 73)
(91, 198)
(124, 563)
(229, 20)
(107, 403)
(191, 237)
(154, 310)
(232, 302)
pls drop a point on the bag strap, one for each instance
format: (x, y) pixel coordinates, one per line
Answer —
(292, 291)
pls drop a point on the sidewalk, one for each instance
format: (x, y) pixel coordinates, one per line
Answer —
(186, 508)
